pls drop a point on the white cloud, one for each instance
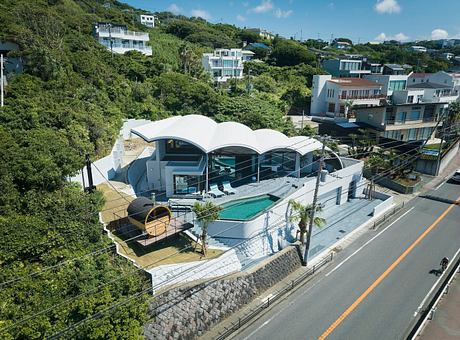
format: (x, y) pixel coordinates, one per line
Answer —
(173, 8)
(387, 6)
(264, 6)
(439, 33)
(279, 13)
(398, 37)
(241, 18)
(200, 13)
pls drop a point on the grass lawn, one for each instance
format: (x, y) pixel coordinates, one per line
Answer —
(115, 202)
(432, 146)
(164, 252)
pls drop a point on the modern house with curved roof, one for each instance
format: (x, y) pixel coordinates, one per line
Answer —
(194, 152)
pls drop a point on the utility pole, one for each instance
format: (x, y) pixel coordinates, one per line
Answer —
(303, 116)
(439, 157)
(91, 186)
(1, 80)
(315, 199)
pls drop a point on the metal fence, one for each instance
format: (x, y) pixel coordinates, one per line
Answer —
(387, 215)
(273, 298)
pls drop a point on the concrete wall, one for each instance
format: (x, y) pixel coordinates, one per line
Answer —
(318, 94)
(188, 312)
(103, 169)
(429, 166)
(131, 124)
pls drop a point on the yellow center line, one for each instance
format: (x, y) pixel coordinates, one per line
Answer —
(355, 304)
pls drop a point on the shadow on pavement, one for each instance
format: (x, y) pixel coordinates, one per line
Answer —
(436, 272)
(440, 199)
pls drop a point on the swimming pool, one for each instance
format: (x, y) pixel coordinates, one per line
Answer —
(246, 208)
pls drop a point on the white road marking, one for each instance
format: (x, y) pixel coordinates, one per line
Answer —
(439, 185)
(435, 284)
(365, 244)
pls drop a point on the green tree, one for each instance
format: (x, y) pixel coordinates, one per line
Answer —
(205, 213)
(289, 53)
(301, 214)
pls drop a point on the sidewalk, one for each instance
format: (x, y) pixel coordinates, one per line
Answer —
(446, 322)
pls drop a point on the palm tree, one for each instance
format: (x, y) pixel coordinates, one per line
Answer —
(205, 213)
(302, 214)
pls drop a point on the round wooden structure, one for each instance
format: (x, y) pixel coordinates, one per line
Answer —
(148, 217)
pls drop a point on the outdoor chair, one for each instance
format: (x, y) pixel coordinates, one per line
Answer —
(214, 191)
(228, 188)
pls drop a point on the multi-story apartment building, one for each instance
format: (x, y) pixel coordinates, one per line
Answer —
(333, 97)
(225, 64)
(389, 82)
(443, 78)
(427, 92)
(346, 67)
(264, 34)
(403, 122)
(147, 20)
(118, 39)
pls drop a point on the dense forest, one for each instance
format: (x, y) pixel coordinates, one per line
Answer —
(57, 267)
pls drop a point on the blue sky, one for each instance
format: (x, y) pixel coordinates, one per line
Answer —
(363, 20)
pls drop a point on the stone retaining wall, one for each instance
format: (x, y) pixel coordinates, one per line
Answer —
(188, 312)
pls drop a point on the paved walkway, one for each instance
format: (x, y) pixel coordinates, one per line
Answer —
(446, 322)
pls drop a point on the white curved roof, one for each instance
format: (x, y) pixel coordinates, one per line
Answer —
(208, 135)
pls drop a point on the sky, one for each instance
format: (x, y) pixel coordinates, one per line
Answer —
(359, 20)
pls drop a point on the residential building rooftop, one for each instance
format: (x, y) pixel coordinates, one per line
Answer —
(355, 82)
(428, 85)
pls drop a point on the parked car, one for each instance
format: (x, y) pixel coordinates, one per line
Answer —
(456, 176)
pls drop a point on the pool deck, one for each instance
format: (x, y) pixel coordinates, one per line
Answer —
(341, 220)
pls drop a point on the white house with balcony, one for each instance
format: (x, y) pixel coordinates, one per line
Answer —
(118, 39)
(147, 20)
(427, 92)
(333, 97)
(225, 64)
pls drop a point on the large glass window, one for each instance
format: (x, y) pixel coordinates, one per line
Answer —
(180, 147)
(401, 117)
(397, 85)
(228, 63)
(185, 184)
(414, 115)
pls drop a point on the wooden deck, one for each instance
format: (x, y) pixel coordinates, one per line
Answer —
(176, 226)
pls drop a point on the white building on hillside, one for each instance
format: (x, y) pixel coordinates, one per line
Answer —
(333, 97)
(389, 82)
(264, 34)
(118, 39)
(224, 64)
(147, 20)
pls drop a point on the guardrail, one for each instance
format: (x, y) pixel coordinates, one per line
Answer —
(429, 309)
(271, 299)
(387, 215)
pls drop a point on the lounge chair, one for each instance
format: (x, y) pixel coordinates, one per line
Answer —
(228, 188)
(214, 191)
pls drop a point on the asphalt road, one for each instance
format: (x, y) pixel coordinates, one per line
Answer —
(375, 292)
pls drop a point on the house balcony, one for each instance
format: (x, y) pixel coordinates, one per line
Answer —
(122, 34)
(350, 97)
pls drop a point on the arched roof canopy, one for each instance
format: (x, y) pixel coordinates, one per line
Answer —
(207, 135)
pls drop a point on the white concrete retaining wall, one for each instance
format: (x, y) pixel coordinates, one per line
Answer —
(103, 169)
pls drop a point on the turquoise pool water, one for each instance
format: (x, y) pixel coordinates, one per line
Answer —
(246, 208)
